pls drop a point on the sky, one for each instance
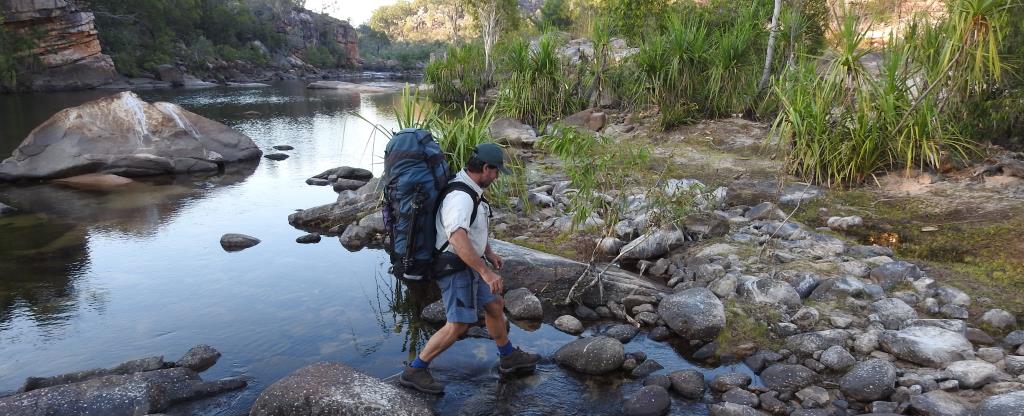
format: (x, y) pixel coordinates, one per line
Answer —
(356, 11)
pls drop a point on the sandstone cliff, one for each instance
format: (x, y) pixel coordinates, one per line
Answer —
(68, 54)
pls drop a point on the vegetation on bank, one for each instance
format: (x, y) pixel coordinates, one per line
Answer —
(140, 35)
(13, 46)
(930, 98)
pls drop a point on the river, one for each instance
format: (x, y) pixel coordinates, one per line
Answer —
(90, 279)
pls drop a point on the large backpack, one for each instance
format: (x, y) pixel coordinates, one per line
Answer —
(416, 180)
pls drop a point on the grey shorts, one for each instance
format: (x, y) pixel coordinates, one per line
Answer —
(463, 293)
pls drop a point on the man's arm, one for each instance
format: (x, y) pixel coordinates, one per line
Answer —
(464, 249)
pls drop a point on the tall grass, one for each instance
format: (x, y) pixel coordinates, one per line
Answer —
(459, 76)
(700, 65)
(537, 86)
(847, 123)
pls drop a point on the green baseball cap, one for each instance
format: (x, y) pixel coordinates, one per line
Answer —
(491, 154)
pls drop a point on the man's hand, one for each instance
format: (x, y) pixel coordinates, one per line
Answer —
(494, 258)
(494, 281)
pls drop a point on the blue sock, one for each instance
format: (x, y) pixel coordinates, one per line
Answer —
(418, 363)
(506, 349)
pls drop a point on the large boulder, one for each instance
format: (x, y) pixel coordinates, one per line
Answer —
(123, 135)
(926, 345)
(693, 313)
(594, 355)
(512, 132)
(869, 380)
(591, 119)
(336, 389)
(1009, 404)
(839, 288)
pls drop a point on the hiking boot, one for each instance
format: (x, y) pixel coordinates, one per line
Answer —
(420, 379)
(518, 360)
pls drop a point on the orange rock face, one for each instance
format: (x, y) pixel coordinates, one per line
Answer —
(68, 45)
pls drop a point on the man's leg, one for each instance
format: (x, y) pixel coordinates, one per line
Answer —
(512, 358)
(442, 339)
(494, 316)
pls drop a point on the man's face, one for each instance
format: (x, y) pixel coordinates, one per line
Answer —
(490, 174)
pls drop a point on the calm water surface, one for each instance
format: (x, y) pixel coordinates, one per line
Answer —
(90, 279)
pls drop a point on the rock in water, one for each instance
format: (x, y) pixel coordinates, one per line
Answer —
(131, 394)
(311, 238)
(594, 355)
(693, 313)
(276, 156)
(199, 358)
(237, 242)
(126, 136)
(569, 324)
(523, 304)
(788, 377)
(284, 147)
(648, 401)
(688, 383)
(335, 389)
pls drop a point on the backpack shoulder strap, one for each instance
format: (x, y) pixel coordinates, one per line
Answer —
(463, 187)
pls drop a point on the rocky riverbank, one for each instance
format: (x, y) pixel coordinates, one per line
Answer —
(830, 325)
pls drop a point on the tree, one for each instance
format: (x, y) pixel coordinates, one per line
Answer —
(493, 16)
(555, 13)
(370, 39)
(766, 74)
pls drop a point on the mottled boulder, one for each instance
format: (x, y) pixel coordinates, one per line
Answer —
(335, 389)
(434, 313)
(311, 238)
(593, 355)
(839, 288)
(123, 135)
(788, 377)
(928, 346)
(1009, 404)
(355, 237)
(236, 242)
(999, 318)
(521, 303)
(648, 401)
(693, 313)
(939, 403)
(728, 381)
(810, 342)
(129, 394)
(869, 380)
(688, 383)
(742, 397)
(837, 358)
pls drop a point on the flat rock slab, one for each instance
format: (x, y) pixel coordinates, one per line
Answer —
(95, 181)
(335, 389)
(353, 87)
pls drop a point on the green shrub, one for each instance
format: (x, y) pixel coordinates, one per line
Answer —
(536, 86)
(459, 75)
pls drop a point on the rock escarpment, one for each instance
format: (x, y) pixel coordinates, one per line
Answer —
(66, 44)
(126, 136)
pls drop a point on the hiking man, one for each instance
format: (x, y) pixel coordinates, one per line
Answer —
(461, 223)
